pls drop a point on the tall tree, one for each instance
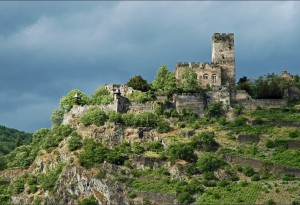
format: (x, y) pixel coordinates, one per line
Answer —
(190, 82)
(138, 83)
(165, 81)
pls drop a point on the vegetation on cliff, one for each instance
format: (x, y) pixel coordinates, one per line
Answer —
(236, 156)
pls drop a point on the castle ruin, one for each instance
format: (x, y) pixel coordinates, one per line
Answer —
(221, 71)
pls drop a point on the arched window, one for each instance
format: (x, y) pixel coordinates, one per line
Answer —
(214, 78)
(205, 76)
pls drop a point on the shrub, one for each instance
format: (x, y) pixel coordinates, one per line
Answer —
(93, 152)
(114, 116)
(89, 201)
(215, 110)
(209, 162)
(101, 96)
(294, 133)
(255, 177)
(204, 140)
(94, 116)
(239, 121)
(67, 102)
(75, 142)
(181, 151)
(248, 171)
(140, 97)
(154, 146)
(185, 198)
(137, 148)
(163, 126)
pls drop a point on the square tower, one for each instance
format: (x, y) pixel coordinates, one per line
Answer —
(223, 55)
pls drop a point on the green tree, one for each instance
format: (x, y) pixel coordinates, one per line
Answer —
(209, 162)
(245, 84)
(57, 116)
(190, 83)
(101, 96)
(138, 83)
(67, 101)
(165, 82)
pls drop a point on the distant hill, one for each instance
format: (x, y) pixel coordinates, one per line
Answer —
(12, 138)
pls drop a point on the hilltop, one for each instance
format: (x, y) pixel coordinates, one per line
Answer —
(155, 154)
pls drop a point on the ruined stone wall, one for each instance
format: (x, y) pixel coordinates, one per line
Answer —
(259, 165)
(263, 103)
(141, 107)
(219, 94)
(124, 89)
(195, 102)
(223, 55)
(207, 74)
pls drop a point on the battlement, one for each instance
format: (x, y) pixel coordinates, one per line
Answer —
(222, 37)
(192, 64)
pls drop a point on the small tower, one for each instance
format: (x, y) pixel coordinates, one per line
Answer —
(117, 94)
(223, 55)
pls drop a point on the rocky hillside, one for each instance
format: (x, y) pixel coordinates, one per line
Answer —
(250, 157)
(150, 153)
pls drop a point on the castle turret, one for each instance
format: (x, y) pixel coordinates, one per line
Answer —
(223, 55)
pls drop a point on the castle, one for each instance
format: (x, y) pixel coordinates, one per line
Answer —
(221, 71)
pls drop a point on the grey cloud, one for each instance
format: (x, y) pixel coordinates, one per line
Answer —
(48, 48)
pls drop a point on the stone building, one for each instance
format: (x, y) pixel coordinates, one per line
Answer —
(221, 71)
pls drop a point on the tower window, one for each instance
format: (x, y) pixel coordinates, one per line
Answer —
(214, 78)
(205, 76)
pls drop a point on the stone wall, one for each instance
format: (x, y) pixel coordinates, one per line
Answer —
(196, 102)
(207, 73)
(219, 94)
(142, 107)
(259, 165)
(248, 138)
(245, 99)
(293, 93)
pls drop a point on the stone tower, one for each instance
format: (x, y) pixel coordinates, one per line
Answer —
(223, 55)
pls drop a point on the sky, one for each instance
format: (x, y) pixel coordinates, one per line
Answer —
(49, 48)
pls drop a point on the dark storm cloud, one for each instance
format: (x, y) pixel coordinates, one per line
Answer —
(49, 48)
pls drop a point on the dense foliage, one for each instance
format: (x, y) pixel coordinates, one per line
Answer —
(101, 96)
(67, 101)
(138, 83)
(12, 138)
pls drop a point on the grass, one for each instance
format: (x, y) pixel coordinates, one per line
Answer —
(277, 115)
(231, 194)
(157, 186)
(287, 157)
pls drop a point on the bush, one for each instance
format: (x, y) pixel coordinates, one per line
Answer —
(181, 151)
(209, 162)
(114, 116)
(204, 140)
(239, 121)
(294, 133)
(154, 146)
(89, 201)
(215, 110)
(185, 198)
(101, 96)
(140, 97)
(94, 116)
(93, 152)
(255, 177)
(248, 171)
(67, 101)
(75, 142)
(163, 126)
